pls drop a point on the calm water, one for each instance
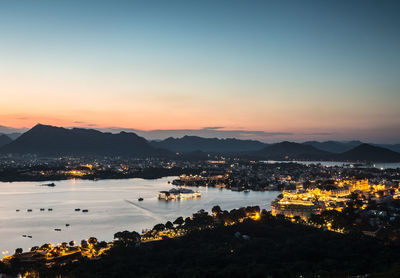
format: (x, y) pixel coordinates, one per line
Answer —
(338, 163)
(113, 206)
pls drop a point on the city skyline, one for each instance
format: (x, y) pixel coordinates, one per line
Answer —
(267, 71)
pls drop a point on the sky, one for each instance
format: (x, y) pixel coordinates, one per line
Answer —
(267, 70)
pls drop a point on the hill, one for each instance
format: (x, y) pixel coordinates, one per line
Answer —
(195, 143)
(4, 140)
(270, 247)
(290, 150)
(334, 146)
(54, 141)
(392, 147)
(367, 152)
(340, 147)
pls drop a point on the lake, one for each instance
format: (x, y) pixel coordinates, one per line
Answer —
(113, 206)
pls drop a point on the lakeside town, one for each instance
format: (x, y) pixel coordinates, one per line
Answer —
(340, 199)
(200, 139)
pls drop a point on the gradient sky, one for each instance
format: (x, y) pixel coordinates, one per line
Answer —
(289, 69)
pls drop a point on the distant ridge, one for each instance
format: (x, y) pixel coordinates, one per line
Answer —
(392, 147)
(290, 150)
(54, 141)
(334, 146)
(4, 140)
(295, 151)
(45, 140)
(195, 143)
(344, 146)
(367, 152)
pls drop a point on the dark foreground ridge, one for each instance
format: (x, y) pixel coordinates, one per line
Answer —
(241, 243)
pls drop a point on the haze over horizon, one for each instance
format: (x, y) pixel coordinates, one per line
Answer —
(269, 71)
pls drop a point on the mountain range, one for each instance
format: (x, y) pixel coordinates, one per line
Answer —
(297, 151)
(339, 147)
(195, 143)
(47, 140)
(56, 141)
(334, 146)
(290, 150)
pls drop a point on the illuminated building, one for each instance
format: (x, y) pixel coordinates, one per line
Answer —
(291, 208)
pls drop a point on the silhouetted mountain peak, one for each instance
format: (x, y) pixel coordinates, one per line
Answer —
(51, 140)
(367, 152)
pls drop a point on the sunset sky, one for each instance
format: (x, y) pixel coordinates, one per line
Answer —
(269, 70)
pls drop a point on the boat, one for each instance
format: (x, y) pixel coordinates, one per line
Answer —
(29, 210)
(66, 225)
(49, 184)
(178, 194)
(17, 210)
(85, 210)
(140, 199)
(78, 209)
(57, 230)
(50, 209)
(42, 209)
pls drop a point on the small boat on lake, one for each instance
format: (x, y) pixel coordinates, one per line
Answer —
(49, 184)
(50, 209)
(140, 199)
(29, 210)
(85, 210)
(57, 230)
(77, 209)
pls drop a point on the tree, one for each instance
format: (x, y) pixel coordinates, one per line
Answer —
(45, 246)
(169, 225)
(71, 243)
(179, 221)
(159, 227)
(84, 243)
(216, 210)
(34, 248)
(18, 251)
(127, 238)
(102, 244)
(92, 240)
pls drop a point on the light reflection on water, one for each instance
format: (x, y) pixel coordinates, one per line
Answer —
(113, 206)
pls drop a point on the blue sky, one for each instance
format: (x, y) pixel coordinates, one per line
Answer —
(286, 67)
